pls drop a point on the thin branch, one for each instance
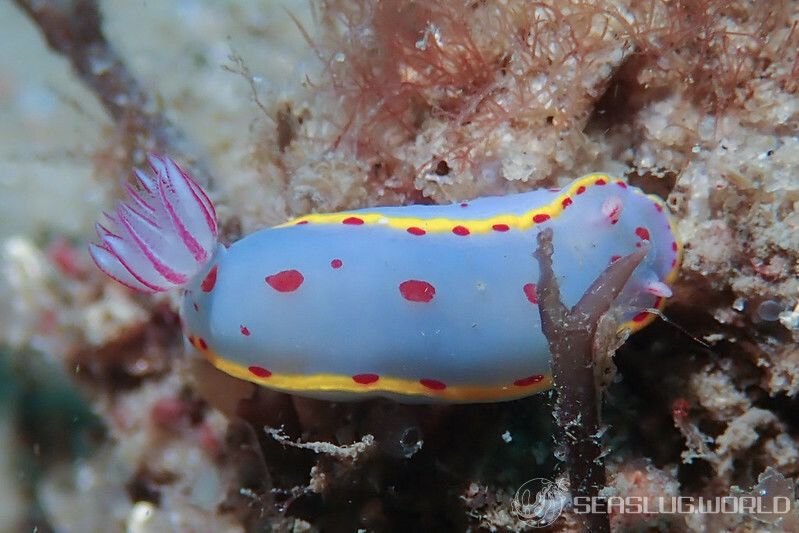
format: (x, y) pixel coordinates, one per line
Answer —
(73, 28)
(350, 452)
(571, 334)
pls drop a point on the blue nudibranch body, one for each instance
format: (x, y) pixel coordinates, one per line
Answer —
(417, 303)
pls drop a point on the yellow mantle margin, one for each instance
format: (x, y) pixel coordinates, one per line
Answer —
(333, 383)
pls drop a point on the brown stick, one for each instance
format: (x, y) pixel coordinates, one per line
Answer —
(571, 333)
(73, 28)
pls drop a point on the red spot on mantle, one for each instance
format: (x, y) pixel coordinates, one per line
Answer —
(202, 344)
(460, 230)
(336, 263)
(244, 330)
(353, 221)
(500, 227)
(581, 189)
(286, 281)
(413, 230)
(640, 317)
(365, 379)
(600, 181)
(530, 380)
(433, 384)
(529, 291)
(642, 233)
(540, 217)
(621, 184)
(566, 202)
(415, 290)
(301, 222)
(259, 372)
(210, 280)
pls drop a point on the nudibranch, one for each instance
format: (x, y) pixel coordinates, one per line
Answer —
(416, 303)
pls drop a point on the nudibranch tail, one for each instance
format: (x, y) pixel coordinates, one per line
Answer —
(163, 236)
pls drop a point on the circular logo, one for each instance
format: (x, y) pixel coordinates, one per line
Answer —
(540, 501)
